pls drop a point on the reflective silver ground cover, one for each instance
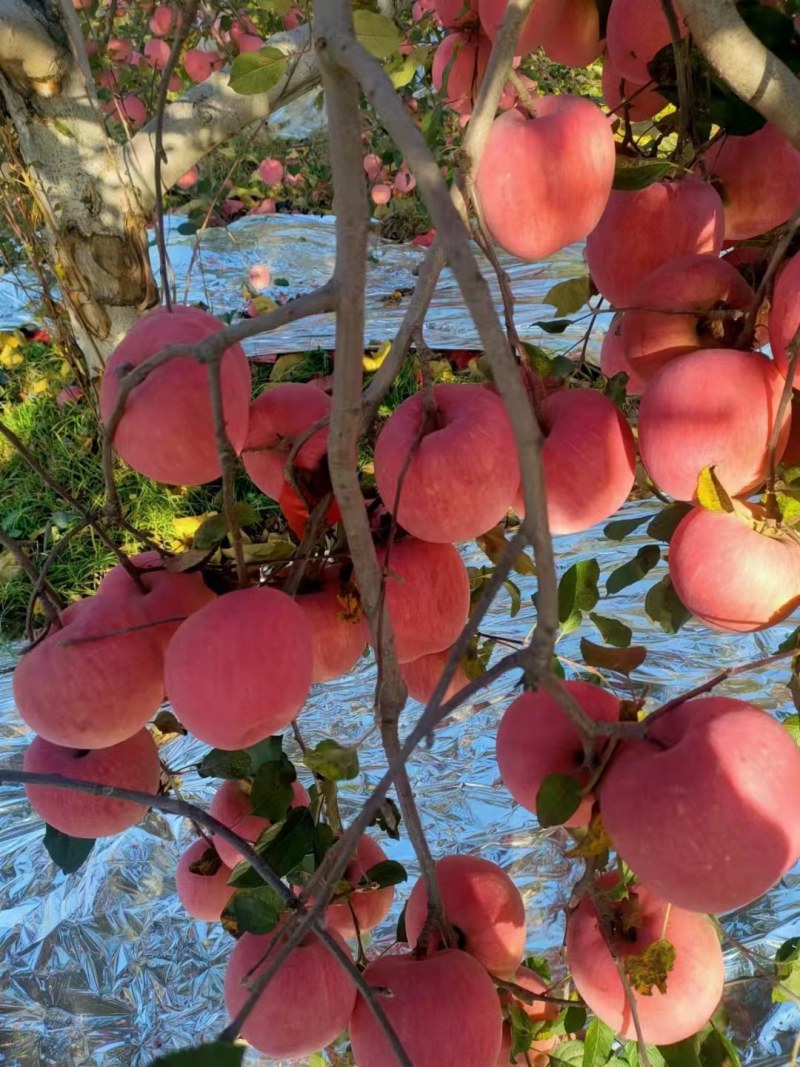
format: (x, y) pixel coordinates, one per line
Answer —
(103, 967)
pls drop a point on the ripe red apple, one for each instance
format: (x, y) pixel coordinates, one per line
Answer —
(339, 632)
(714, 407)
(427, 597)
(759, 180)
(456, 12)
(622, 96)
(204, 893)
(535, 738)
(694, 985)
(567, 30)
(132, 764)
(461, 479)
(642, 229)
(270, 171)
(705, 811)
(545, 182)
(231, 804)
(200, 64)
(729, 575)
(162, 20)
(422, 676)
(89, 685)
(306, 1005)
(371, 906)
(277, 418)
(444, 1009)
(613, 359)
(156, 53)
(784, 315)
(189, 179)
(167, 430)
(167, 596)
(538, 1012)
(635, 32)
(221, 687)
(459, 64)
(589, 460)
(484, 907)
(696, 285)
(248, 42)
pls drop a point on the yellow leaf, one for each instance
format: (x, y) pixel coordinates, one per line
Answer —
(351, 607)
(650, 970)
(285, 365)
(262, 304)
(187, 527)
(8, 567)
(41, 385)
(372, 362)
(711, 494)
(273, 550)
(595, 843)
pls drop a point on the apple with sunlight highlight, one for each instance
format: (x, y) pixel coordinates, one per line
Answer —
(339, 630)
(204, 891)
(635, 32)
(226, 640)
(422, 676)
(371, 906)
(484, 908)
(427, 596)
(107, 668)
(714, 407)
(448, 472)
(705, 810)
(305, 1006)
(730, 575)
(613, 359)
(680, 218)
(589, 460)
(131, 764)
(544, 182)
(693, 986)
(536, 738)
(784, 316)
(166, 431)
(444, 1009)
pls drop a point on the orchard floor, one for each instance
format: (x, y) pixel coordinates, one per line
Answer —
(103, 967)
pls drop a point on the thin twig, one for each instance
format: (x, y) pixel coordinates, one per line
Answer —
(792, 351)
(49, 597)
(775, 260)
(227, 462)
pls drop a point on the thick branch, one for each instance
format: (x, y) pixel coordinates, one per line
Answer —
(742, 61)
(211, 112)
(29, 57)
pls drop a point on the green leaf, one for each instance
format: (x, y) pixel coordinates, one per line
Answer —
(386, 873)
(271, 794)
(266, 751)
(662, 605)
(792, 724)
(400, 933)
(253, 911)
(513, 591)
(522, 1029)
(282, 847)
(569, 296)
(613, 631)
(377, 33)
(215, 1055)
(663, 525)
(634, 570)
(787, 963)
(332, 761)
(711, 493)
(622, 660)
(574, 1019)
(316, 1059)
(539, 965)
(257, 72)
(68, 853)
(630, 1055)
(630, 177)
(597, 1044)
(577, 592)
(570, 1054)
(620, 528)
(558, 798)
(221, 764)
(210, 532)
(553, 325)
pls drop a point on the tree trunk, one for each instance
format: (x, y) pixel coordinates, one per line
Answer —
(96, 197)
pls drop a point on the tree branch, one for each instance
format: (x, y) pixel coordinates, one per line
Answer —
(29, 57)
(742, 61)
(21, 556)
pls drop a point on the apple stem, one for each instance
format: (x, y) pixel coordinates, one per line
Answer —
(524, 95)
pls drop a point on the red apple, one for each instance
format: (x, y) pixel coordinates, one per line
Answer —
(462, 474)
(567, 30)
(535, 738)
(538, 1012)
(459, 64)
(132, 764)
(221, 687)
(200, 64)
(714, 407)
(705, 811)
(613, 359)
(95, 682)
(167, 430)
(456, 12)
(484, 907)
(784, 315)
(189, 179)
(731, 576)
(444, 1009)
(306, 1005)
(427, 597)
(640, 102)
(693, 987)
(422, 676)
(371, 906)
(589, 460)
(204, 892)
(270, 171)
(635, 32)
(277, 418)
(232, 806)
(545, 182)
(339, 632)
(759, 180)
(696, 285)
(641, 230)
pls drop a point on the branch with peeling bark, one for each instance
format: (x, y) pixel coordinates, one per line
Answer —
(29, 57)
